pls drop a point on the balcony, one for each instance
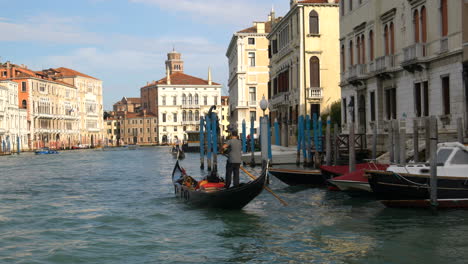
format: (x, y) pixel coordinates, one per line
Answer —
(444, 45)
(190, 106)
(2, 131)
(383, 65)
(413, 57)
(281, 99)
(357, 74)
(189, 123)
(241, 105)
(314, 94)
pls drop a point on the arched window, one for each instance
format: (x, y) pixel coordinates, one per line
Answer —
(190, 115)
(371, 44)
(351, 57)
(184, 115)
(196, 99)
(392, 38)
(444, 17)
(190, 99)
(314, 72)
(24, 104)
(387, 49)
(313, 22)
(343, 59)
(358, 49)
(184, 99)
(423, 28)
(363, 49)
(416, 26)
(197, 115)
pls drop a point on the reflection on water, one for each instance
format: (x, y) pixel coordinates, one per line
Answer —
(118, 207)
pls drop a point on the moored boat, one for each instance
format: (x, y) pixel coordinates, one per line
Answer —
(280, 155)
(294, 175)
(410, 184)
(43, 151)
(185, 187)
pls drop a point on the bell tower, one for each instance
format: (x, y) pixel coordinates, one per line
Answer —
(174, 62)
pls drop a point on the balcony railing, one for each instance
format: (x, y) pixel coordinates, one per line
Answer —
(414, 52)
(314, 93)
(190, 106)
(444, 44)
(357, 71)
(193, 122)
(384, 63)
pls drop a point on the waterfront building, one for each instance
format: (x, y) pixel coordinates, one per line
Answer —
(13, 120)
(224, 118)
(112, 137)
(139, 128)
(304, 63)
(51, 105)
(89, 99)
(129, 104)
(465, 60)
(179, 99)
(402, 59)
(248, 72)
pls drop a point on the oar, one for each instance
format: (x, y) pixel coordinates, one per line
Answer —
(266, 188)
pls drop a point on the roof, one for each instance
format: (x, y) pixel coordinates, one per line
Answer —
(179, 78)
(316, 1)
(253, 29)
(139, 115)
(134, 100)
(66, 72)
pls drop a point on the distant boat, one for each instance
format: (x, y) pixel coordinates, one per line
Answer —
(410, 185)
(178, 153)
(45, 151)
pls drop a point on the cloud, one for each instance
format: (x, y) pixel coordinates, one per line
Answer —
(47, 29)
(216, 11)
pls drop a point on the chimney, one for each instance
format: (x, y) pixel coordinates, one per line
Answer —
(144, 112)
(260, 27)
(168, 75)
(209, 76)
(8, 70)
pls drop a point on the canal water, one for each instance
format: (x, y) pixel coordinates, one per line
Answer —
(118, 207)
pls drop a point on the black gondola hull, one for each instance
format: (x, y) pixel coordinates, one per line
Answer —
(298, 177)
(390, 186)
(234, 198)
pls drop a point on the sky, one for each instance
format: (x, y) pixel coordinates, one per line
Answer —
(125, 42)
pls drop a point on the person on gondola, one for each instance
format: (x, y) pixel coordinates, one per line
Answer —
(176, 144)
(233, 149)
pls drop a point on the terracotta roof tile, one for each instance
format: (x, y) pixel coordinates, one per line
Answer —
(66, 72)
(268, 26)
(179, 78)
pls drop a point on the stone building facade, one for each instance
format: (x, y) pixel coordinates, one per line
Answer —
(402, 59)
(304, 63)
(178, 100)
(248, 72)
(129, 104)
(138, 128)
(224, 117)
(13, 119)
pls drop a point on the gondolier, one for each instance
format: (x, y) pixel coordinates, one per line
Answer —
(233, 147)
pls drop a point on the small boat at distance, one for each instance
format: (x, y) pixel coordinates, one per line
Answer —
(44, 151)
(222, 198)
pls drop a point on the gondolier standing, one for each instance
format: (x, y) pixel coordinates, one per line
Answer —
(234, 147)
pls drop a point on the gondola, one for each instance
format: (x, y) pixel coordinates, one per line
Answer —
(178, 153)
(232, 198)
(293, 175)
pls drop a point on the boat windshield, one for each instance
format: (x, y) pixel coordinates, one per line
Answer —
(461, 157)
(442, 156)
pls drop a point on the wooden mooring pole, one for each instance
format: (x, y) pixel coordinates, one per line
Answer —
(433, 160)
(390, 142)
(415, 140)
(328, 142)
(374, 142)
(403, 145)
(336, 146)
(396, 132)
(352, 148)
